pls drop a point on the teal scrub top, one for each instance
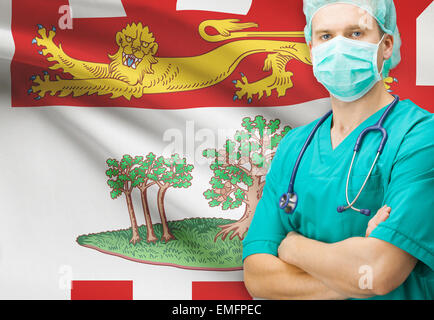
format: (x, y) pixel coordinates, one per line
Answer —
(403, 178)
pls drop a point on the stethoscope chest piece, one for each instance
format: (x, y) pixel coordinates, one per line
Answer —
(288, 202)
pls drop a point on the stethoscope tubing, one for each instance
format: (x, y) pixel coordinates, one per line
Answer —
(303, 150)
(285, 199)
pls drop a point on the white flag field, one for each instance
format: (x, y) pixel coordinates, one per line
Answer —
(141, 160)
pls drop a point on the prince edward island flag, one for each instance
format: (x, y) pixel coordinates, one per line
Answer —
(135, 137)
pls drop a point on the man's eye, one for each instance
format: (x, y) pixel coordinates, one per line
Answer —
(357, 34)
(325, 37)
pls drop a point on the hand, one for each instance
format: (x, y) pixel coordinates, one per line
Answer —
(381, 216)
(287, 246)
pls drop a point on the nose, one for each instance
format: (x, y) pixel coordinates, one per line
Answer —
(135, 46)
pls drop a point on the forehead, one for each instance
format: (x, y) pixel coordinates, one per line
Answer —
(134, 31)
(340, 16)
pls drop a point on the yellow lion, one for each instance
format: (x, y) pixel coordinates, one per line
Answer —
(134, 70)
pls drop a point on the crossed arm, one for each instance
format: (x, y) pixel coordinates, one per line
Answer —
(310, 269)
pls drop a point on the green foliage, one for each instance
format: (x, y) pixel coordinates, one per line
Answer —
(215, 165)
(210, 194)
(158, 171)
(112, 173)
(138, 181)
(275, 139)
(113, 163)
(239, 194)
(233, 169)
(150, 157)
(231, 203)
(173, 171)
(261, 124)
(209, 153)
(222, 174)
(129, 172)
(115, 193)
(258, 160)
(216, 183)
(182, 185)
(247, 180)
(246, 150)
(230, 146)
(126, 162)
(235, 179)
(242, 136)
(273, 126)
(227, 204)
(247, 124)
(115, 183)
(214, 203)
(236, 204)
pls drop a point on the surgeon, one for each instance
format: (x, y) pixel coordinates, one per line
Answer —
(323, 245)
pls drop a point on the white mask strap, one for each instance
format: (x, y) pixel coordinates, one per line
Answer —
(382, 67)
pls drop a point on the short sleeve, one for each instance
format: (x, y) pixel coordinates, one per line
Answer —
(410, 195)
(266, 230)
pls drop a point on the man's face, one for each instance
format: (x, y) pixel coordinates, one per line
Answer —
(349, 21)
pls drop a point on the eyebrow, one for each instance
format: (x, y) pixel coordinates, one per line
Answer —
(352, 27)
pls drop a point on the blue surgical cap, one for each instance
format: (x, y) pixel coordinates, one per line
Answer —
(382, 10)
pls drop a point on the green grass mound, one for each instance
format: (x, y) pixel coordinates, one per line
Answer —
(194, 247)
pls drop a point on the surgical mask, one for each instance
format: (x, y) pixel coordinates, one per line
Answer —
(347, 68)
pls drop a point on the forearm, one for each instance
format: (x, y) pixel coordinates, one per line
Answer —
(338, 265)
(267, 276)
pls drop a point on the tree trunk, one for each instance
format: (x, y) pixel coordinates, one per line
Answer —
(240, 227)
(167, 236)
(149, 227)
(135, 229)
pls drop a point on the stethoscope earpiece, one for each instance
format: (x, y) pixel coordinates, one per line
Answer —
(341, 209)
(365, 212)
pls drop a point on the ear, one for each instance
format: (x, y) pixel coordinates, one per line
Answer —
(310, 50)
(119, 38)
(154, 48)
(388, 46)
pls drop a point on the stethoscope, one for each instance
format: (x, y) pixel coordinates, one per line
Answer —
(289, 200)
